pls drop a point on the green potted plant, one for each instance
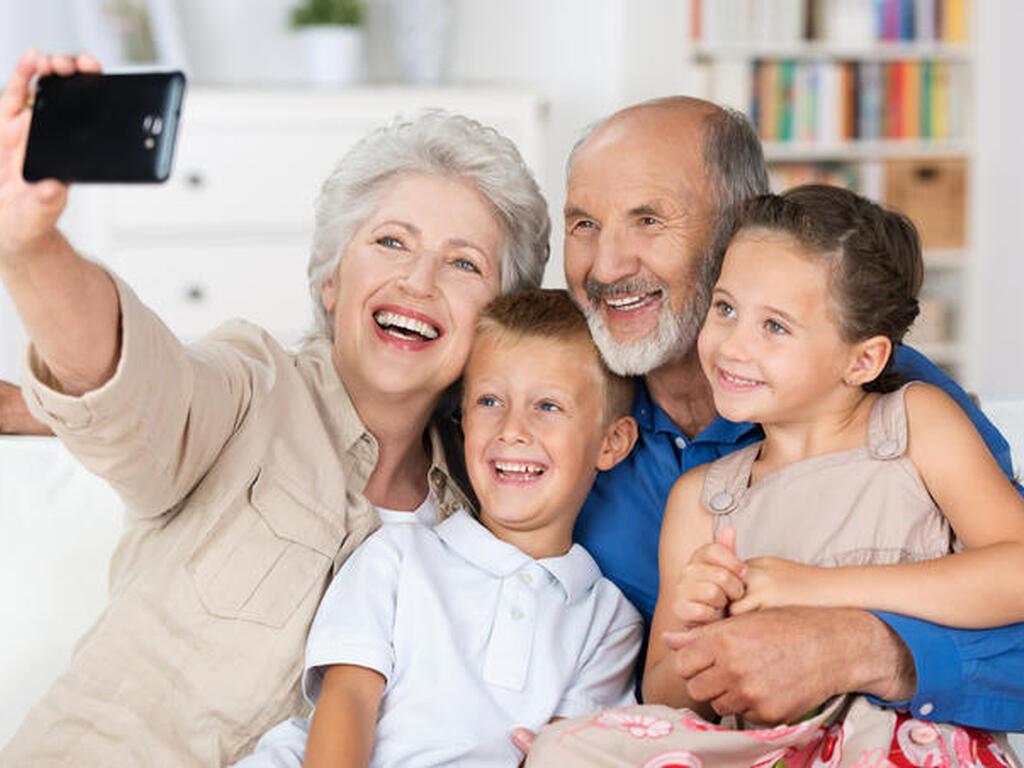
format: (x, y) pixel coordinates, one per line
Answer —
(332, 38)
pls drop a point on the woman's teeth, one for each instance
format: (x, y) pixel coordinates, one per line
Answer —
(403, 327)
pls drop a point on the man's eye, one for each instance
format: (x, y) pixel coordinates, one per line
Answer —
(648, 221)
(389, 242)
(725, 309)
(775, 328)
(465, 265)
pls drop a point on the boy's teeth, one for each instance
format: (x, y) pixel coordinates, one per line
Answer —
(518, 468)
(392, 321)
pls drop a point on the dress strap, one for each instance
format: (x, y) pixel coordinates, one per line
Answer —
(727, 479)
(887, 425)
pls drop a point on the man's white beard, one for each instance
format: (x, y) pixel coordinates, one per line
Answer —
(674, 336)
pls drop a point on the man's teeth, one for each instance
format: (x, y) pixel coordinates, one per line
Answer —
(518, 468)
(392, 322)
(628, 302)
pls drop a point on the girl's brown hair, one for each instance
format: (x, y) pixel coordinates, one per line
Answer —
(874, 256)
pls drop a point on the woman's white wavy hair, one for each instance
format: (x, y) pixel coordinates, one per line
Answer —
(434, 143)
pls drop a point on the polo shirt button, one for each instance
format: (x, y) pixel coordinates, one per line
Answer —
(525, 578)
(680, 442)
(516, 613)
(721, 501)
(888, 448)
(926, 709)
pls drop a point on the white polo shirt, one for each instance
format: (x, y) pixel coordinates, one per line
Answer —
(474, 638)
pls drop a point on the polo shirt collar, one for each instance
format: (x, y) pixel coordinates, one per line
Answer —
(651, 417)
(575, 571)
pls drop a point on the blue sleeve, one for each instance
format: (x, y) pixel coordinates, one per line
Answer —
(969, 676)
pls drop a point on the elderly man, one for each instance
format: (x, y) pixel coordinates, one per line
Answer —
(649, 193)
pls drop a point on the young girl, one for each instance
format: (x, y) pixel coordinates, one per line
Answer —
(839, 505)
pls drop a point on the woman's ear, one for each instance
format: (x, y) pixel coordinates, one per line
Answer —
(869, 358)
(329, 293)
(617, 442)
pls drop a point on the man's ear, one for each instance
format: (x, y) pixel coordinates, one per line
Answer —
(617, 442)
(869, 358)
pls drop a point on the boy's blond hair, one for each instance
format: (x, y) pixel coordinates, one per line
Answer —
(548, 313)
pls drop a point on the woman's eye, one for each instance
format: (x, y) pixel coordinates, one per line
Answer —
(725, 309)
(775, 328)
(389, 242)
(487, 401)
(582, 224)
(466, 265)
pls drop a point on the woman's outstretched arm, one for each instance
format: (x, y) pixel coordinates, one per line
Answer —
(69, 305)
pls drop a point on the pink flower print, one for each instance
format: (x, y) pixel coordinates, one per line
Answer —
(873, 758)
(977, 749)
(636, 724)
(691, 721)
(677, 759)
(918, 744)
(770, 759)
(831, 754)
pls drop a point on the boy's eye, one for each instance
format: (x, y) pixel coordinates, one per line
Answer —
(725, 309)
(776, 328)
(465, 265)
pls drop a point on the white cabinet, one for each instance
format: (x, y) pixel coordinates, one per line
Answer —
(228, 235)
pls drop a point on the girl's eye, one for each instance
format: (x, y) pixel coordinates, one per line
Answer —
(389, 242)
(549, 406)
(725, 309)
(775, 328)
(466, 265)
(487, 401)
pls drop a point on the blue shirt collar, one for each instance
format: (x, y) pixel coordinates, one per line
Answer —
(650, 417)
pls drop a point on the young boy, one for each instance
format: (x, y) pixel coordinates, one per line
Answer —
(432, 644)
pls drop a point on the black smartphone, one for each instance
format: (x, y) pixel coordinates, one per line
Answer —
(104, 128)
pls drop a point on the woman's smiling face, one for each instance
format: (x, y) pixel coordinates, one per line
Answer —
(410, 284)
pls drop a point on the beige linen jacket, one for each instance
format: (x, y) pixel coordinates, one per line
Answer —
(242, 467)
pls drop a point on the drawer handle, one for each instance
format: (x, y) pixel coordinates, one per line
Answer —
(195, 293)
(195, 180)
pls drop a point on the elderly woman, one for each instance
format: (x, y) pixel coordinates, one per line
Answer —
(251, 472)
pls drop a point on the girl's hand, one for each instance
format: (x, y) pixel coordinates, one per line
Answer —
(772, 582)
(28, 212)
(710, 581)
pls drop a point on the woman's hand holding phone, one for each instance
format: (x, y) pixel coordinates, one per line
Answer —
(29, 212)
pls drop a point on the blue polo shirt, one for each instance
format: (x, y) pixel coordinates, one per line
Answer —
(975, 677)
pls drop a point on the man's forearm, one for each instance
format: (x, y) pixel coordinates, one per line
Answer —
(877, 660)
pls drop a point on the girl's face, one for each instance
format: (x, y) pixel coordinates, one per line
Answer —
(410, 284)
(770, 345)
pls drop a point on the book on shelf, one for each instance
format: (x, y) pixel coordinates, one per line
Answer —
(839, 22)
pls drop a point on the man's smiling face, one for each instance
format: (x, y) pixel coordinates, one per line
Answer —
(638, 219)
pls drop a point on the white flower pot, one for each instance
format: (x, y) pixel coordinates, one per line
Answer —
(334, 54)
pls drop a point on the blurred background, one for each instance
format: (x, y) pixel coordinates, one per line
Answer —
(913, 102)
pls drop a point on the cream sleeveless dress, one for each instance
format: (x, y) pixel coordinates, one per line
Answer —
(862, 506)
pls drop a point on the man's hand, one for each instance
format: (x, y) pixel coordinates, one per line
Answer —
(775, 665)
(14, 416)
(710, 581)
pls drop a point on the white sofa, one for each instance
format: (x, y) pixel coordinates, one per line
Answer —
(58, 528)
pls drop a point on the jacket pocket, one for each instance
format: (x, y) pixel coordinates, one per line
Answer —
(268, 548)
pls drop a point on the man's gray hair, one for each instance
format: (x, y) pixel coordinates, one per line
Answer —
(435, 143)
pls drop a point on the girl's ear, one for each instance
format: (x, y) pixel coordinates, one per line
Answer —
(617, 442)
(869, 358)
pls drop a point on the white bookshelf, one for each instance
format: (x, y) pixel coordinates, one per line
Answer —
(721, 69)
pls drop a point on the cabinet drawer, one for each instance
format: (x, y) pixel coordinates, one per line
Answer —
(194, 289)
(235, 182)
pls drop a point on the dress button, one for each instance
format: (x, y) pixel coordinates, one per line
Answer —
(923, 735)
(721, 501)
(887, 448)
(680, 442)
(926, 709)
(516, 613)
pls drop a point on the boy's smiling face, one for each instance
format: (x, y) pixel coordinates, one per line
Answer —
(533, 413)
